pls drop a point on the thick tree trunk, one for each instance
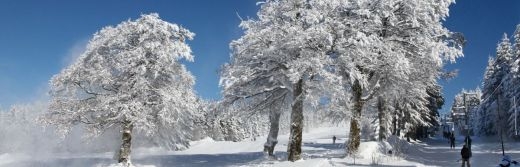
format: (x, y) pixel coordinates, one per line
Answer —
(294, 148)
(355, 131)
(125, 150)
(382, 118)
(272, 139)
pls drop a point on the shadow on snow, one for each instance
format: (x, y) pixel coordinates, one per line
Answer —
(202, 160)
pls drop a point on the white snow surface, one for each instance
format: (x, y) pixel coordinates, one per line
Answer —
(318, 151)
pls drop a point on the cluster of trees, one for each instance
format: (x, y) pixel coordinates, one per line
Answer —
(464, 110)
(353, 56)
(371, 64)
(500, 89)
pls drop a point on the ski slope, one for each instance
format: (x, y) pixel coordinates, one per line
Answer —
(318, 152)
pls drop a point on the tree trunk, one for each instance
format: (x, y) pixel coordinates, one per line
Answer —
(401, 121)
(272, 139)
(355, 136)
(294, 148)
(394, 121)
(125, 150)
(382, 118)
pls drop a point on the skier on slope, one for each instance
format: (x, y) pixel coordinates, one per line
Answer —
(506, 162)
(466, 154)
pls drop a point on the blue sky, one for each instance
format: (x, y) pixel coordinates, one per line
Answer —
(483, 23)
(39, 38)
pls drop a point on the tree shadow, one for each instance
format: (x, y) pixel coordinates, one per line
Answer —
(202, 160)
(186, 160)
(328, 146)
(324, 150)
(58, 162)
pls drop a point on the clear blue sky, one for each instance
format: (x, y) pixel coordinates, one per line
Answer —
(39, 38)
(483, 22)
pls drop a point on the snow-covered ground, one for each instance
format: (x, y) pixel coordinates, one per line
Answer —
(318, 151)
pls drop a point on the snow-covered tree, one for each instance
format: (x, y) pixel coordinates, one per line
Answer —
(516, 50)
(381, 41)
(281, 57)
(500, 89)
(504, 64)
(464, 109)
(435, 103)
(509, 84)
(505, 60)
(368, 45)
(436, 45)
(255, 80)
(513, 88)
(486, 113)
(497, 81)
(128, 78)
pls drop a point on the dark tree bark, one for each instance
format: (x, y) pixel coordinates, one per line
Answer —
(294, 148)
(126, 145)
(382, 118)
(394, 121)
(355, 136)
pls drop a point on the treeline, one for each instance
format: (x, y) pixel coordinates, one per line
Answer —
(500, 89)
(372, 64)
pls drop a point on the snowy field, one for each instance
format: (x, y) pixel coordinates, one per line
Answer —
(318, 151)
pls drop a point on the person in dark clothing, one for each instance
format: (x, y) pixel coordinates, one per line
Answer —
(466, 154)
(452, 140)
(333, 139)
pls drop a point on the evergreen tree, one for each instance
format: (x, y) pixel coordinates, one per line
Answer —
(514, 85)
(496, 94)
(487, 113)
